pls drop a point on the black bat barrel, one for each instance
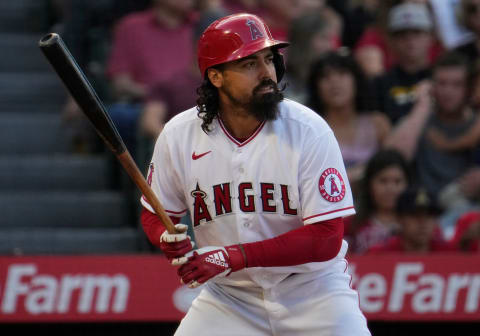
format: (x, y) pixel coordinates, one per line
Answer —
(81, 90)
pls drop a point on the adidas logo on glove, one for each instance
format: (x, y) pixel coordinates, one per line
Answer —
(217, 259)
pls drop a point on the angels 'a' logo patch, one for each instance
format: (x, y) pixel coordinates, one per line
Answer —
(331, 185)
(150, 174)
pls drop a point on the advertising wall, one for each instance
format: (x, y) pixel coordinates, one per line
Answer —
(146, 288)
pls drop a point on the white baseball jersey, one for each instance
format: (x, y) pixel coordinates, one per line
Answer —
(289, 173)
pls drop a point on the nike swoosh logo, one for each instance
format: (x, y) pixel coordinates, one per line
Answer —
(196, 157)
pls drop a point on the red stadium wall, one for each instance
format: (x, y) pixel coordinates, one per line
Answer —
(146, 288)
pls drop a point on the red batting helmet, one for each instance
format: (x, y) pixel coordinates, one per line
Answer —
(234, 37)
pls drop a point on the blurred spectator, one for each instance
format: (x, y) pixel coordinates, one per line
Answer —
(410, 32)
(279, 15)
(417, 213)
(376, 51)
(309, 37)
(337, 92)
(166, 99)
(450, 116)
(357, 15)
(470, 139)
(467, 234)
(463, 194)
(87, 33)
(386, 177)
(469, 16)
(371, 49)
(148, 47)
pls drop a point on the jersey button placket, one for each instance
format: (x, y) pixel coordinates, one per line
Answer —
(239, 177)
(237, 163)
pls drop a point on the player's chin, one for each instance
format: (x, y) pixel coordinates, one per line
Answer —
(265, 105)
(268, 98)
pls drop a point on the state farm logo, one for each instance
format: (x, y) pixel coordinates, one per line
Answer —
(27, 290)
(412, 289)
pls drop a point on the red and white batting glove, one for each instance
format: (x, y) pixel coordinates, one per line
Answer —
(210, 262)
(175, 246)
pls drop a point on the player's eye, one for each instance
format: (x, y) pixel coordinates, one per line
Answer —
(249, 65)
(269, 59)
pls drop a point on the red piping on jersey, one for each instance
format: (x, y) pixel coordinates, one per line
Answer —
(240, 144)
(326, 213)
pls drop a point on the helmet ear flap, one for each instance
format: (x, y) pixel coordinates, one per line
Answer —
(279, 64)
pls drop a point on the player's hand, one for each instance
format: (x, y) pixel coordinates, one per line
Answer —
(175, 246)
(210, 262)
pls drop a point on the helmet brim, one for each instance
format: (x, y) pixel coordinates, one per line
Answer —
(256, 47)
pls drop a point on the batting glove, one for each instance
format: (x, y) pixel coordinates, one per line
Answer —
(211, 262)
(176, 245)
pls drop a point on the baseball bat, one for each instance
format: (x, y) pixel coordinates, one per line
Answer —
(82, 91)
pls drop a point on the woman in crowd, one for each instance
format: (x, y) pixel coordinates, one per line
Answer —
(336, 91)
(386, 177)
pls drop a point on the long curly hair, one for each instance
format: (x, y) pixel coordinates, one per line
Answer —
(207, 104)
(382, 160)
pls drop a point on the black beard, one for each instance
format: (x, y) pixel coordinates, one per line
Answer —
(264, 106)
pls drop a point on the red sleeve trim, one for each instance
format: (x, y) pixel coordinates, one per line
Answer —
(176, 212)
(153, 226)
(169, 211)
(311, 243)
(329, 212)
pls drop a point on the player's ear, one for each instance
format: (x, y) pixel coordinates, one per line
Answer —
(215, 76)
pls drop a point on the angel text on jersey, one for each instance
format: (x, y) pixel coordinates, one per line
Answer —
(247, 200)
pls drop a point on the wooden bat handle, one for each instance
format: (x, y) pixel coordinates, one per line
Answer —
(82, 91)
(131, 168)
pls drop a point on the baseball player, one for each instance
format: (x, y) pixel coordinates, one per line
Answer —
(265, 184)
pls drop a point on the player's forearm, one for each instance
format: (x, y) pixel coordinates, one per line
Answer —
(153, 227)
(310, 243)
(315, 242)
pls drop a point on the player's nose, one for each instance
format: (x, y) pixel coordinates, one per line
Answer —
(265, 71)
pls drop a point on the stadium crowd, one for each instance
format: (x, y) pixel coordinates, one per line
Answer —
(397, 81)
